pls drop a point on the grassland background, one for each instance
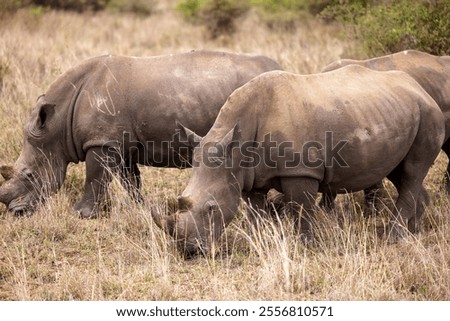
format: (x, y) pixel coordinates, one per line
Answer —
(54, 255)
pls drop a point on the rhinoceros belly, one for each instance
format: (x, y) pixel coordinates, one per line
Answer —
(370, 149)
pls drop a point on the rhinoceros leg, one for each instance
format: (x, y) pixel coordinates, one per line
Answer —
(99, 168)
(446, 149)
(372, 198)
(412, 196)
(301, 192)
(423, 201)
(257, 206)
(409, 206)
(327, 201)
(408, 176)
(130, 177)
(263, 204)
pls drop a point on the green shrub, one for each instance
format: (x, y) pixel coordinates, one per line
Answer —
(279, 5)
(141, 7)
(280, 14)
(386, 28)
(13, 5)
(76, 5)
(218, 15)
(190, 8)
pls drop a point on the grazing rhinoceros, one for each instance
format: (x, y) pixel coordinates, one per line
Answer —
(116, 112)
(302, 134)
(431, 72)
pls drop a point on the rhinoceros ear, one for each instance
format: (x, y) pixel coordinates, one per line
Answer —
(45, 113)
(187, 136)
(231, 140)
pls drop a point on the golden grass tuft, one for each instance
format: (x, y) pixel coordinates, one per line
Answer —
(54, 255)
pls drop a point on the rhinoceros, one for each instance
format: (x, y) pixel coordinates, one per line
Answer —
(431, 72)
(115, 112)
(336, 132)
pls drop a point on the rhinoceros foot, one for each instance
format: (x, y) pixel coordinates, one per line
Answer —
(446, 180)
(396, 232)
(85, 211)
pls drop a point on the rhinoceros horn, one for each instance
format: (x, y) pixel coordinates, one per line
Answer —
(168, 222)
(7, 172)
(184, 203)
(164, 222)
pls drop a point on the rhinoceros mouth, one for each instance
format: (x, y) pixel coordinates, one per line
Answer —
(191, 250)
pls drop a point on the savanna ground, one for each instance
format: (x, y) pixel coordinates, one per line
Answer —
(54, 255)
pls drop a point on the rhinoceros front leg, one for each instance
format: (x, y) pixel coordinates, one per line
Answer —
(327, 201)
(99, 167)
(262, 203)
(301, 193)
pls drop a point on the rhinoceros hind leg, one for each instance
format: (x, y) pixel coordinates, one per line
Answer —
(411, 202)
(372, 199)
(424, 201)
(446, 149)
(99, 167)
(408, 176)
(130, 177)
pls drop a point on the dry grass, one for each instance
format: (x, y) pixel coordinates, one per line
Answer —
(54, 255)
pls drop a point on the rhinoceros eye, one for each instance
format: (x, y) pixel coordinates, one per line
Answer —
(28, 174)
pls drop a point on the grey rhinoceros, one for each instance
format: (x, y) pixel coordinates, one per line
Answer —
(336, 132)
(431, 72)
(116, 112)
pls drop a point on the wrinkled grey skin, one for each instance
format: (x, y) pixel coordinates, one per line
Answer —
(114, 113)
(391, 125)
(431, 72)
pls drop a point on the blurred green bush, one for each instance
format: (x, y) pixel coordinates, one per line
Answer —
(12, 5)
(218, 15)
(389, 26)
(144, 7)
(381, 26)
(76, 5)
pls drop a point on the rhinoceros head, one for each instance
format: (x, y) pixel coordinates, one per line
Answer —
(210, 200)
(40, 168)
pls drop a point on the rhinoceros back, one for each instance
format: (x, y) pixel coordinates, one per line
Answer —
(376, 114)
(143, 98)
